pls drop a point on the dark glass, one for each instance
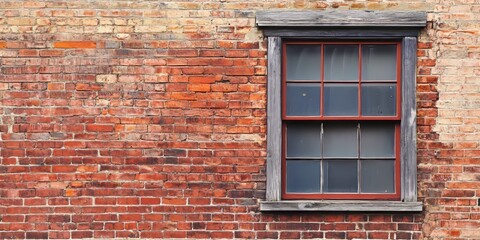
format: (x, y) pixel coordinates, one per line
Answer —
(340, 176)
(341, 100)
(378, 176)
(303, 140)
(379, 99)
(303, 99)
(303, 176)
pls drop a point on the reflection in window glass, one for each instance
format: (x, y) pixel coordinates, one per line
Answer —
(340, 139)
(379, 62)
(303, 62)
(377, 139)
(341, 62)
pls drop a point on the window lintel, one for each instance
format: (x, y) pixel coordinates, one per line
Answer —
(341, 18)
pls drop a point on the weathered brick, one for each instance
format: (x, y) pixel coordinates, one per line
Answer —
(51, 53)
(75, 44)
(106, 78)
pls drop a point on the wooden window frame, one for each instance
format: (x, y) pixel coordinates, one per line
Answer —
(359, 118)
(279, 26)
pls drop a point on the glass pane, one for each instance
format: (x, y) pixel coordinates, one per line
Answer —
(340, 139)
(303, 140)
(379, 62)
(340, 176)
(303, 99)
(303, 176)
(377, 140)
(379, 99)
(341, 100)
(303, 62)
(378, 176)
(341, 62)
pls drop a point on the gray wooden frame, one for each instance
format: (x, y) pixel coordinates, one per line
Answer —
(336, 18)
(274, 121)
(404, 31)
(408, 125)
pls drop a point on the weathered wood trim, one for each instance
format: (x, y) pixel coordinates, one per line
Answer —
(408, 125)
(378, 33)
(339, 18)
(342, 206)
(274, 120)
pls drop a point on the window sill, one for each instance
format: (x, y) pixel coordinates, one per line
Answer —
(341, 206)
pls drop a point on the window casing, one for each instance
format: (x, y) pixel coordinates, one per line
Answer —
(356, 27)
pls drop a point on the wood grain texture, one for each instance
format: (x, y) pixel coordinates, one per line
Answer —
(339, 18)
(342, 206)
(378, 33)
(408, 124)
(274, 120)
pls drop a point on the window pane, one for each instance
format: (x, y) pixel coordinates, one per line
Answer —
(341, 100)
(341, 62)
(378, 176)
(379, 62)
(340, 139)
(303, 140)
(340, 176)
(303, 176)
(303, 62)
(379, 99)
(377, 140)
(303, 99)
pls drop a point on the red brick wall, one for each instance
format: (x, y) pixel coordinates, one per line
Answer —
(147, 119)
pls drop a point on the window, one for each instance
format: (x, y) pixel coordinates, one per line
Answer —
(341, 129)
(341, 120)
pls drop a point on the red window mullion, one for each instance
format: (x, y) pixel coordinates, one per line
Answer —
(399, 76)
(398, 173)
(284, 81)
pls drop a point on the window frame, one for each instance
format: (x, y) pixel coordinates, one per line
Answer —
(358, 118)
(279, 26)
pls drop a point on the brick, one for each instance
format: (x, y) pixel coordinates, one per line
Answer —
(204, 79)
(75, 44)
(37, 235)
(99, 128)
(106, 78)
(51, 53)
(199, 87)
